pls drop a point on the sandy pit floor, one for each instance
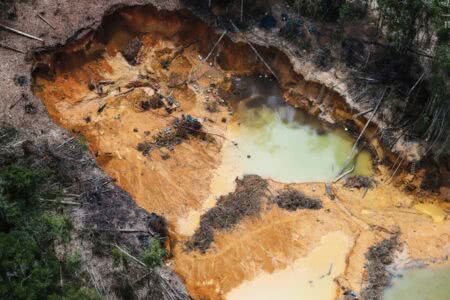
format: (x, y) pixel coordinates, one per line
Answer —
(274, 246)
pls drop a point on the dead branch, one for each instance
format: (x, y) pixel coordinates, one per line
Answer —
(10, 29)
(215, 45)
(122, 230)
(15, 103)
(395, 171)
(46, 21)
(355, 145)
(66, 141)
(60, 201)
(130, 256)
(106, 82)
(362, 113)
(344, 174)
(12, 48)
(327, 273)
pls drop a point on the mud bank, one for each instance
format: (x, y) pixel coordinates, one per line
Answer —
(103, 87)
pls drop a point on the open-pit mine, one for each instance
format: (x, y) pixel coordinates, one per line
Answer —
(269, 190)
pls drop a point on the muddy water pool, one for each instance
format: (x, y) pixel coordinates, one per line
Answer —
(420, 284)
(310, 277)
(268, 137)
(275, 140)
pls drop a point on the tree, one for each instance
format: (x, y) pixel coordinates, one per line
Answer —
(154, 254)
(29, 267)
(404, 20)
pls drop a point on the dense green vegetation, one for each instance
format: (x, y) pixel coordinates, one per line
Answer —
(411, 26)
(415, 62)
(29, 232)
(330, 10)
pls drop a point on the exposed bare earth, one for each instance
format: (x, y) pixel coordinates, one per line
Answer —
(270, 241)
(114, 123)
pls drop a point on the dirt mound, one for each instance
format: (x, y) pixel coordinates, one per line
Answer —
(245, 201)
(292, 200)
(359, 182)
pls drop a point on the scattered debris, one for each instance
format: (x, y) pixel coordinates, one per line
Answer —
(131, 51)
(180, 130)
(378, 258)
(292, 200)
(245, 201)
(30, 108)
(212, 106)
(145, 148)
(359, 182)
(101, 108)
(21, 80)
(165, 156)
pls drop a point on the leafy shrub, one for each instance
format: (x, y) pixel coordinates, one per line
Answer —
(153, 256)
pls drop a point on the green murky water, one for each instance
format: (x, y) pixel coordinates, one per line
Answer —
(277, 141)
(421, 284)
(270, 138)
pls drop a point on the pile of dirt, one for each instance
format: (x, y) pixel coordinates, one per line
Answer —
(359, 182)
(244, 202)
(292, 200)
(180, 130)
(379, 257)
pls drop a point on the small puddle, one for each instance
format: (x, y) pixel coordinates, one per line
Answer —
(268, 137)
(311, 277)
(421, 284)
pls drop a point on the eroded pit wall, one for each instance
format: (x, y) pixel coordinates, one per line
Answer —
(64, 78)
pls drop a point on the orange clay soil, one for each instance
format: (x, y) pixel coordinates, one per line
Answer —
(114, 123)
